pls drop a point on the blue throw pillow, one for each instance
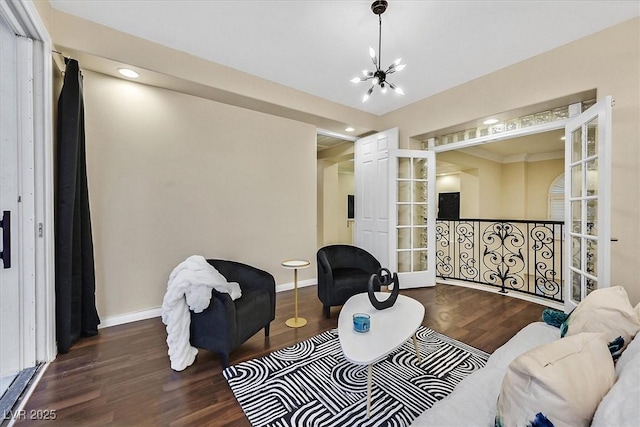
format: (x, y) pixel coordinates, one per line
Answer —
(554, 317)
(539, 421)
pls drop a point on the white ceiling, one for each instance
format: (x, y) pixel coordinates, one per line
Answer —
(318, 46)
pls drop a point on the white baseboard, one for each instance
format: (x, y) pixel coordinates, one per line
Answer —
(301, 284)
(130, 317)
(157, 311)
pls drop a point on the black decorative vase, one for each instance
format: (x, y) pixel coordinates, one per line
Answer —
(383, 278)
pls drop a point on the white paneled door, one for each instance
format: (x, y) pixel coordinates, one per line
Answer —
(587, 202)
(372, 176)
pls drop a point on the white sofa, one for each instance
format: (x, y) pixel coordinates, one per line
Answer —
(474, 401)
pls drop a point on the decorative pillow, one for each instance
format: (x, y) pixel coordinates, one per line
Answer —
(606, 310)
(562, 382)
(554, 317)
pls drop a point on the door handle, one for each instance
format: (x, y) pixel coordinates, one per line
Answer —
(5, 223)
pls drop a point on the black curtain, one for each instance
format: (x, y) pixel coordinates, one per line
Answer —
(76, 313)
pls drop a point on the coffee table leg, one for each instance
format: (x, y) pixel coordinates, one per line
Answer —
(415, 344)
(369, 381)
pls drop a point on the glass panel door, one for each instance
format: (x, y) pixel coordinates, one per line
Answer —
(587, 202)
(414, 218)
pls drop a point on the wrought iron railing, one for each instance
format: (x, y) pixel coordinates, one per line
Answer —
(515, 255)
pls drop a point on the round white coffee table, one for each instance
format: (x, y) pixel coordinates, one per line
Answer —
(295, 264)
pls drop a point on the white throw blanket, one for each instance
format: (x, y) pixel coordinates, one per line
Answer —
(189, 287)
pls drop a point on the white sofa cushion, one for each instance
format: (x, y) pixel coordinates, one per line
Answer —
(473, 401)
(531, 336)
(476, 396)
(564, 380)
(621, 406)
(606, 310)
(631, 352)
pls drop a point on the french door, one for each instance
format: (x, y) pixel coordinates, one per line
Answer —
(413, 216)
(395, 208)
(587, 202)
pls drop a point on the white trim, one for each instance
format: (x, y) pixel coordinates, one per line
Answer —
(301, 284)
(531, 130)
(44, 205)
(26, 207)
(512, 294)
(549, 155)
(333, 134)
(135, 316)
(478, 151)
(150, 313)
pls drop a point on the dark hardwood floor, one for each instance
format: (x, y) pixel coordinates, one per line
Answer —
(122, 377)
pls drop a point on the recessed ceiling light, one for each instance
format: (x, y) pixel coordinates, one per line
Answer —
(349, 129)
(490, 121)
(128, 73)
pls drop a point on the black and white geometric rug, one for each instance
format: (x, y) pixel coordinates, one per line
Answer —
(312, 384)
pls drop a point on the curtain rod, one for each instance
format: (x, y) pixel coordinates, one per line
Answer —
(61, 54)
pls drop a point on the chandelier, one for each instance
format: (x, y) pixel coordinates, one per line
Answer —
(378, 76)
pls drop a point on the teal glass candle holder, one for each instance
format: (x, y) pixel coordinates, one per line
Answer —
(361, 322)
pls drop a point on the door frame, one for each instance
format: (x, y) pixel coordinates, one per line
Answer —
(35, 178)
(574, 112)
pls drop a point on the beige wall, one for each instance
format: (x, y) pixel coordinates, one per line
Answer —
(346, 186)
(521, 193)
(171, 175)
(483, 177)
(608, 61)
(329, 204)
(449, 183)
(540, 176)
(514, 191)
(333, 188)
(470, 203)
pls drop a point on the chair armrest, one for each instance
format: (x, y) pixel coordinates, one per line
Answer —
(247, 276)
(325, 278)
(215, 327)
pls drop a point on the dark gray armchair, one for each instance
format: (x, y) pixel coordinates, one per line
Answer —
(343, 271)
(226, 324)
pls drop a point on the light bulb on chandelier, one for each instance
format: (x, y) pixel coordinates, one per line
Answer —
(379, 77)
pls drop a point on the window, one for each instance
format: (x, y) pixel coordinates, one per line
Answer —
(556, 199)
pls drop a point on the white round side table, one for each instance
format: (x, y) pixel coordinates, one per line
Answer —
(295, 264)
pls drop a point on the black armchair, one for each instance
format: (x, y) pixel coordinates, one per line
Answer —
(226, 324)
(343, 271)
